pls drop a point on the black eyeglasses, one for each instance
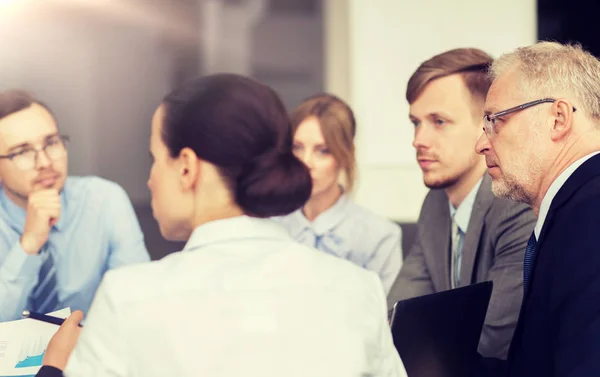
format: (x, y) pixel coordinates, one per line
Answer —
(489, 121)
(54, 147)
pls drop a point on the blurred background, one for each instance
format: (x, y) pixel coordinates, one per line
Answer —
(104, 65)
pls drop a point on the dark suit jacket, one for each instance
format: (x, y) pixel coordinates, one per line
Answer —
(558, 333)
(493, 249)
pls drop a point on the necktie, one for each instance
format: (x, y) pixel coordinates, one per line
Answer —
(328, 243)
(45, 294)
(528, 261)
(454, 254)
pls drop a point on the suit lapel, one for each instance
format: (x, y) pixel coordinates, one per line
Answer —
(587, 171)
(483, 202)
(439, 241)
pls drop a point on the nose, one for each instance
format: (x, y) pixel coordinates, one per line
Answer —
(422, 139)
(308, 159)
(483, 144)
(42, 160)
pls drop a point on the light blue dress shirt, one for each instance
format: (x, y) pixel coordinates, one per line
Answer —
(462, 216)
(354, 233)
(97, 231)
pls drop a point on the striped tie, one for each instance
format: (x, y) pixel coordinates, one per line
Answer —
(45, 294)
(528, 261)
(455, 256)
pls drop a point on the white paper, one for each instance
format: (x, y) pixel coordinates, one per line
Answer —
(23, 343)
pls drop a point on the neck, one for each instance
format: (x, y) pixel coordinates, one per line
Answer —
(571, 152)
(221, 214)
(317, 204)
(458, 192)
(220, 205)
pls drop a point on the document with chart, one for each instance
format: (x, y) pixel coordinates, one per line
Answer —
(23, 343)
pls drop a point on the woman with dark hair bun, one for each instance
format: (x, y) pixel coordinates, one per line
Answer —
(242, 298)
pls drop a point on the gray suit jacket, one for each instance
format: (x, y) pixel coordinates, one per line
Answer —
(493, 249)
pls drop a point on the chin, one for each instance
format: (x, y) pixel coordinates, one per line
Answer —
(316, 191)
(437, 184)
(323, 189)
(440, 182)
(60, 185)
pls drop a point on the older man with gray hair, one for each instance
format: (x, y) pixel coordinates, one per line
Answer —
(541, 144)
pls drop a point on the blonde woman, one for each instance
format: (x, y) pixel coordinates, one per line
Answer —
(324, 129)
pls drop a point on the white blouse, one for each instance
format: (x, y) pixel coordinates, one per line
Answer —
(241, 299)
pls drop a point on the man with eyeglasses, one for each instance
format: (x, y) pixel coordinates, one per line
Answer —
(464, 234)
(541, 145)
(58, 234)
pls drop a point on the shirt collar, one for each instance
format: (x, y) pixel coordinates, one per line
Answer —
(553, 190)
(326, 220)
(16, 215)
(462, 214)
(235, 228)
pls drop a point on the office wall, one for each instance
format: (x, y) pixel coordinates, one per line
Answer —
(372, 48)
(102, 70)
(278, 42)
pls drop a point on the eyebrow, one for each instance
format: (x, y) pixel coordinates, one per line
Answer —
(490, 111)
(438, 114)
(25, 145)
(319, 145)
(435, 114)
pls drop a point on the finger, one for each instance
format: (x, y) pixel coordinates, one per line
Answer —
(74, 319)
(51, 216)
(46, 206)
(72, 322)
(44, 192)
(41, 201)
(50, 213)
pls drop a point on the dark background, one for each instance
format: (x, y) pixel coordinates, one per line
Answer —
(570, 21)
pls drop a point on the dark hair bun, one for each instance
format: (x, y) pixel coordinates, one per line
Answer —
(273, 184)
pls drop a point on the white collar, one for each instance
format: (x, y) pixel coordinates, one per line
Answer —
(235, 228)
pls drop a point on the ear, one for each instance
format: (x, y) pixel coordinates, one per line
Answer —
(189, 168)
(562, 119)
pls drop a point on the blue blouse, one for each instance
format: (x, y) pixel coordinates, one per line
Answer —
(354, 233)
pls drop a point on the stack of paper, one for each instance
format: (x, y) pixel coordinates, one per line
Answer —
(23, 343)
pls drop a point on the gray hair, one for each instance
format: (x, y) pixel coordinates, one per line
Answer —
(548, 69)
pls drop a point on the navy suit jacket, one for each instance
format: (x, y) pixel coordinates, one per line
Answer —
(558, 332)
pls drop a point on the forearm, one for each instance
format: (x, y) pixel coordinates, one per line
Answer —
(18, 276)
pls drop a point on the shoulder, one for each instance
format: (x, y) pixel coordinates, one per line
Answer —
(435, 201)
(141, 278)
(289, 221)
(503, 210)
(582, 208)
(236, 267)
(86, 186)
(587, 192)
(376, 224)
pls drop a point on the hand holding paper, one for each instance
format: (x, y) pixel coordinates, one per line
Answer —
(62, 343)
(23, 344)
